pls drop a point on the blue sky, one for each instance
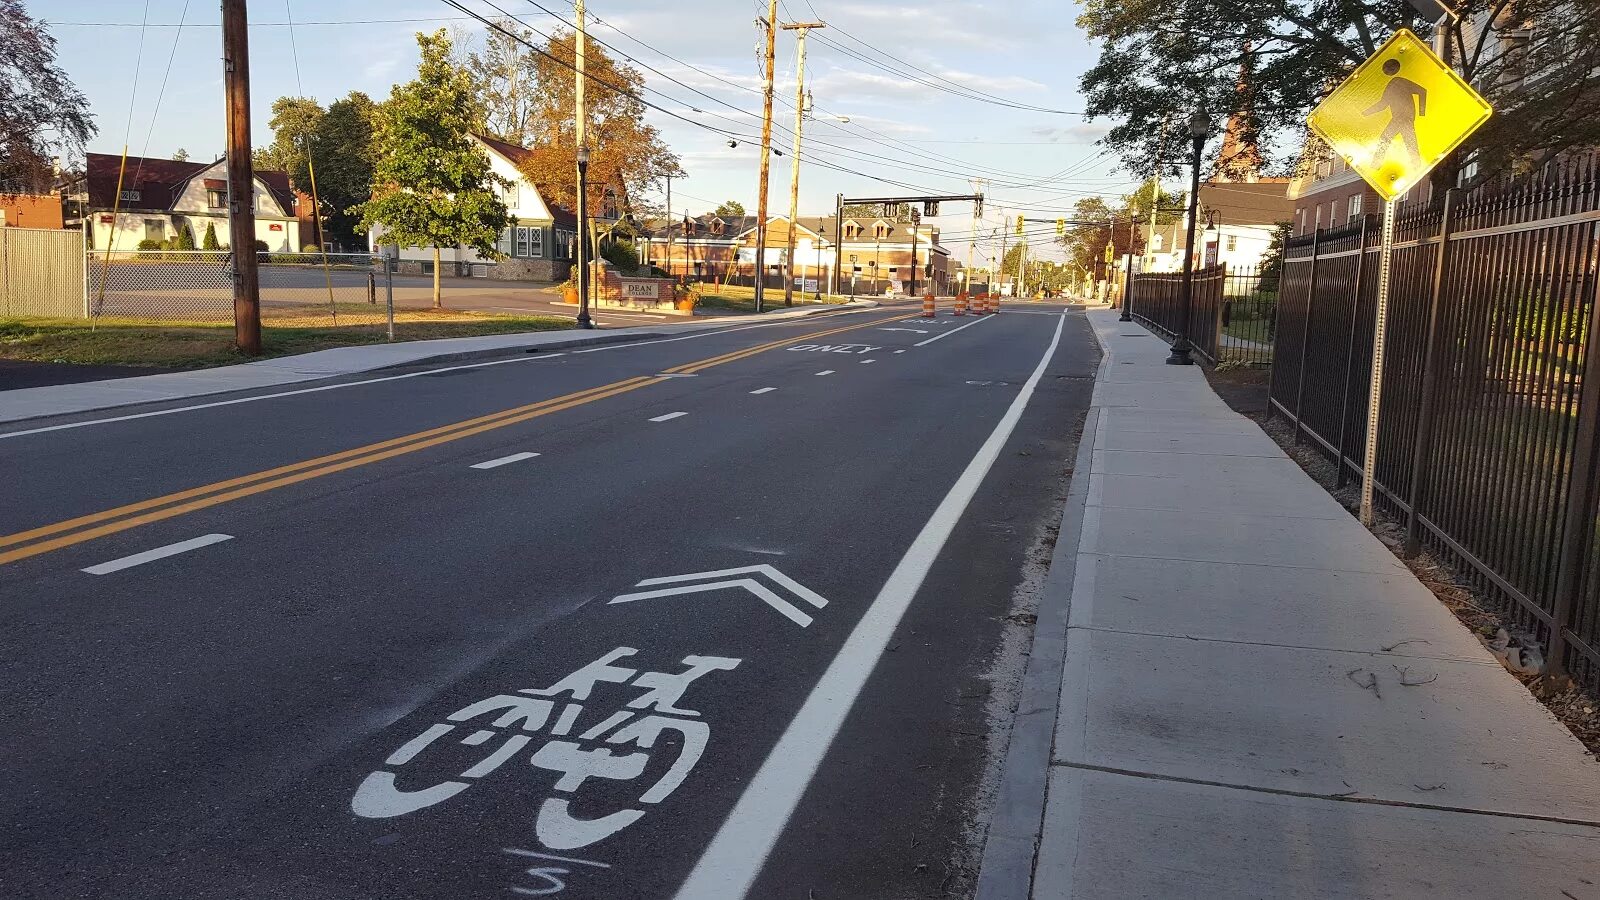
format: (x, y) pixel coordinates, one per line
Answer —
(1027, 51)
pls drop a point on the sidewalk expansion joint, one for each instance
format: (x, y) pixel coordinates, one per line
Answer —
(1337, 798)
(1397, 572)
(1220, 640)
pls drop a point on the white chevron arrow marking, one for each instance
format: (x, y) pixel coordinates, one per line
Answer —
(766, 594)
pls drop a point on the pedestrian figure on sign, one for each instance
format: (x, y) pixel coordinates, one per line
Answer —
(1405, 100)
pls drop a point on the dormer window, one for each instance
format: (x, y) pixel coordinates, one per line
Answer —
(881, 230)
(851, 229)
(717, 226)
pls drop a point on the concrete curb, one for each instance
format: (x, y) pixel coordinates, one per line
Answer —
(70, 399)
(1012, 842)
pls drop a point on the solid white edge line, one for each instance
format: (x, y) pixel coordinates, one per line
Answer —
(502, 461)
(737, 853)
(950, 332)
(139, 559)
(765, 390)
(711, 329)
(670, 415)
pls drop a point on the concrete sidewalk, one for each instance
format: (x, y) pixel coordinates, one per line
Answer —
(1258, 699)
(65, 399)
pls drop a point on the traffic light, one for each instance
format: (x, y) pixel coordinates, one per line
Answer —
(1061, 227)
(1019, 226)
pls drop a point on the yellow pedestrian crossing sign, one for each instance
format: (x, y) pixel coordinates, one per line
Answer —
(1398, 114)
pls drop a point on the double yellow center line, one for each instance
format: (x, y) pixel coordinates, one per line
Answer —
(68, 532)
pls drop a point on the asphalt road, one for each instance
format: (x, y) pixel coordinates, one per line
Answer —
(748, 630)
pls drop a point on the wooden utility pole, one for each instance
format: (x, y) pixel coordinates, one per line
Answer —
(771, 24)
(241, 179)
(668, 218)
(999, 288)
(800, 105)
(972, 239)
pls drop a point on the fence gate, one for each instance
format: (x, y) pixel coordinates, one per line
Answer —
(41, 272)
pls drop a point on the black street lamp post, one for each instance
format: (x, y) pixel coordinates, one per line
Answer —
(583, 236)
(1199, 129)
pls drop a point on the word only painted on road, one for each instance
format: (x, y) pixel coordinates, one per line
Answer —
(616, 748)
(833, 348)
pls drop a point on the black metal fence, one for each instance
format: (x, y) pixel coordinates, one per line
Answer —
(1232, 317)
(1486, 444)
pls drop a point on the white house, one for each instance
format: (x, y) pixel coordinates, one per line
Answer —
(163, 197)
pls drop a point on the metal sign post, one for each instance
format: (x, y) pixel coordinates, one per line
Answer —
(1380, 327)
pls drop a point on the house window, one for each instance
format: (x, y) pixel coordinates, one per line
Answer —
(1156, 241)
(536, 243)
(1233, 242)
(504, 244)
(1355, 206)
(851, 229)
(522, 242)
(216, 199)
(566, 243)
(131, 196)
(155, 229)
(881, 231)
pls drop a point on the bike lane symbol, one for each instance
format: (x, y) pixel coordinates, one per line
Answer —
(616, 748)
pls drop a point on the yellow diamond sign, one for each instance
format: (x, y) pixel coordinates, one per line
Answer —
(1398, 114)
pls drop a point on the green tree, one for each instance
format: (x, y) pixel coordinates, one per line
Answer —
(1271, 61)
(209, 242)
(432, 185)
(292, 119)
(729, 208)
(180, 155)
(341, 149)
(185, 239)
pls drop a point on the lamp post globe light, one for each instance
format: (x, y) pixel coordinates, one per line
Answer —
(1199, 130)
(583, 237)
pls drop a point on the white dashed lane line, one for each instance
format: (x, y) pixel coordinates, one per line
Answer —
(766, 390)
(503, 461)
(826, 372)
(865, 361)
(139, 559)
(670, 415)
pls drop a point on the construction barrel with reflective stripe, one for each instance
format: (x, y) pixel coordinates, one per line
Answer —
(928, 309)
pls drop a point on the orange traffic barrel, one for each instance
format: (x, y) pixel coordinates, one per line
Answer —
(961, 303)
(928, 309)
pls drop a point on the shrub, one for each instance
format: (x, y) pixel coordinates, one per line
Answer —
(209, 242)
(621, 253)
(311, 248)
(149, 248)
(185, 238)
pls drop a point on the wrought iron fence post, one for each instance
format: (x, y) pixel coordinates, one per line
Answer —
(1127, 293)
(1305, 332)
(1350, 350)
(1422, 445)
(1580, 516)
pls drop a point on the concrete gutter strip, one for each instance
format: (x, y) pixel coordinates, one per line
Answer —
(67, 399)
(1009, 850)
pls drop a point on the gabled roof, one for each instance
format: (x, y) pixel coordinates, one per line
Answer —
(159, 181)
(518, 155)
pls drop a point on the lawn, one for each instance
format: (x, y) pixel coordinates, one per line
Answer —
(743, 299)
(178, 344)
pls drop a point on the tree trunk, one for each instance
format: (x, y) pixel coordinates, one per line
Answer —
(438, 302)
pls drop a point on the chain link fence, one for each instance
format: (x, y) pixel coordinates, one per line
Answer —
(196, 286)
